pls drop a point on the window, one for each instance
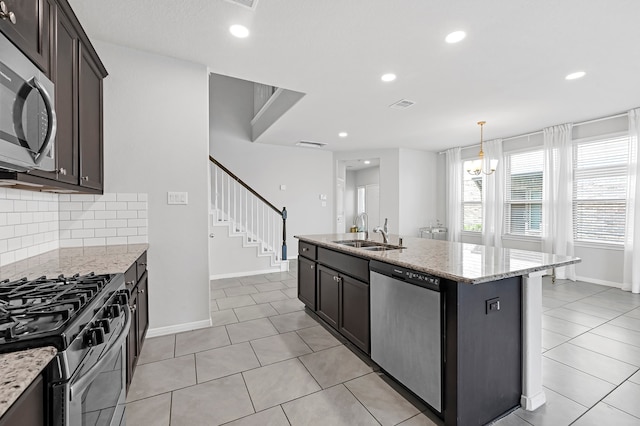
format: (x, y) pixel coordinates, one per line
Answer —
(471, 203)
(600, 190)
(523, 194)
(361, 199)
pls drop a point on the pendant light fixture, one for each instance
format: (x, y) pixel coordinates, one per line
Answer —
(474, 167)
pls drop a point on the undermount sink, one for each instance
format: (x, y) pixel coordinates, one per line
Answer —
(368, 245)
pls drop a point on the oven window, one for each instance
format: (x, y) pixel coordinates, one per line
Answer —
(100, 399)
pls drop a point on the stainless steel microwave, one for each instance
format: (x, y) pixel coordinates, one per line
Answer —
(27, 115)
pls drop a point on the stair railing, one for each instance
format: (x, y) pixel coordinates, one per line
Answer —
(249, 211)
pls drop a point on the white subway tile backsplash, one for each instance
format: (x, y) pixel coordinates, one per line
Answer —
(127, 197)
(35, 222)
(107, 217)
(108, 214)
(115, 205)
(110, 232)
(128, 214)
(116, 240)
(116, 223)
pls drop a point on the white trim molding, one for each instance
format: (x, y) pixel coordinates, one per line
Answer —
(532, 391)
(171, 329)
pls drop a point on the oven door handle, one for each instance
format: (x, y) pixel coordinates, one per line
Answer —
(93, 372)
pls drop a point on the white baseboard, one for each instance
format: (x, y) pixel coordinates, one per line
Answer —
(171, 329)
(601, 282)
(244, 274)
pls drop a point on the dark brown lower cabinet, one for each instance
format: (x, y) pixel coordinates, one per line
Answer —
(28, 410)
(343, 302)
(328, 296)
(354, 311)
(307, 282)
(139, 304)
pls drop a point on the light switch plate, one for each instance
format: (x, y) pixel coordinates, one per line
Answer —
(180, 198)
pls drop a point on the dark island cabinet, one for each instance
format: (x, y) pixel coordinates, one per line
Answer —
(77, 72)
(137, 283)
(28, 25)
(336, 287)
(354, 311)
(329, 296)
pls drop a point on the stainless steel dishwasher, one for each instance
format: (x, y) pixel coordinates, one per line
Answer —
(406, 335)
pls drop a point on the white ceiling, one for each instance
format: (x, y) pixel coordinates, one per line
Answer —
(509, 70)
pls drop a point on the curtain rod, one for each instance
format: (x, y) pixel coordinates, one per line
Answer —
(595, 120)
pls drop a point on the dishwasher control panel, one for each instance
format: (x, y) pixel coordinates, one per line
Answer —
(407, 275)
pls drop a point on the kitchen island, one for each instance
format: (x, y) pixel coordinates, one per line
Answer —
(482, 358)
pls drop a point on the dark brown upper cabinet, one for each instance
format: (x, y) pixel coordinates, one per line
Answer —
(77, 72)
(31, 30)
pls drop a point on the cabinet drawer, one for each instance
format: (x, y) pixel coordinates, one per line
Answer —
(307, 250)
(141, 264)
(351, 265)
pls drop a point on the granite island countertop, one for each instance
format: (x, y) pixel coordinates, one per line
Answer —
(19, 369)
(75, 260)
(462, 262)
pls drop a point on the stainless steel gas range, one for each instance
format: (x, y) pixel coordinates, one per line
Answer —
(87, 319)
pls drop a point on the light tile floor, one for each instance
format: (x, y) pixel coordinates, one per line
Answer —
(267, 362)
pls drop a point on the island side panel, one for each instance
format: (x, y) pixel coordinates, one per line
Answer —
(483, 367)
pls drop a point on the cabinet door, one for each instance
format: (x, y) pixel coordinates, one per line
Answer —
(143, 310)
(90, 121)
(354, 312)
(307, 282)
(28, 410)
(328, 295)
(31, 30)
(132, 339)
(66, 79)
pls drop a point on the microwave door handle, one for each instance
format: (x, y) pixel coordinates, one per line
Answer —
(89, 376)
(52, 123)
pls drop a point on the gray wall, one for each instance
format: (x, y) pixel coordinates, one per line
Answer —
(156, 140)
(306, 172)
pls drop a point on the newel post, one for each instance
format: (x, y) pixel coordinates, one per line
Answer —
(284, 233)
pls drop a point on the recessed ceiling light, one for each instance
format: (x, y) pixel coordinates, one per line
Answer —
(239, 31)
(455, 37)
(575, 75)
(343, 134)
(388, 77)
(367, 162)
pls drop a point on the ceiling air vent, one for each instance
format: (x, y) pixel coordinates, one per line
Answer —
(310, 144)
(249, 4)
(402, 104)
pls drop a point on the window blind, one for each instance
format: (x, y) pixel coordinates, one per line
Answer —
(600, 190)
(523, 193)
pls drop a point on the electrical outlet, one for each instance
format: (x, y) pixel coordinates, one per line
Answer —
(492, 305)
(177, 198)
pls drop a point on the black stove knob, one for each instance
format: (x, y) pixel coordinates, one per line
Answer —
(112, 311)
(105, 325)
(122, 298)
(94, 337)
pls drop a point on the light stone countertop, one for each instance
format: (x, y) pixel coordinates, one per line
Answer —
(466, 263)
(19, 369)
(76, 260)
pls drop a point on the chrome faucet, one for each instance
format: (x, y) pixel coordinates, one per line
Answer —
(365, 221)
(385, 236)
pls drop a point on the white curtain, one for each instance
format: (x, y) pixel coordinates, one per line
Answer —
(454, 193)
(631, 278)
(493, 195)
(557, 196)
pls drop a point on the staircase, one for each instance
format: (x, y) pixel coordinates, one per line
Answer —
(248, 234)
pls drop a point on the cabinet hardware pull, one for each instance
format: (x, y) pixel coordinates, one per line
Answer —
(305, 249)
(5, 14)
(143, 264)
(85, 177)
(62, 171)
(130, 283)
(140, 291)
(311, 266)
